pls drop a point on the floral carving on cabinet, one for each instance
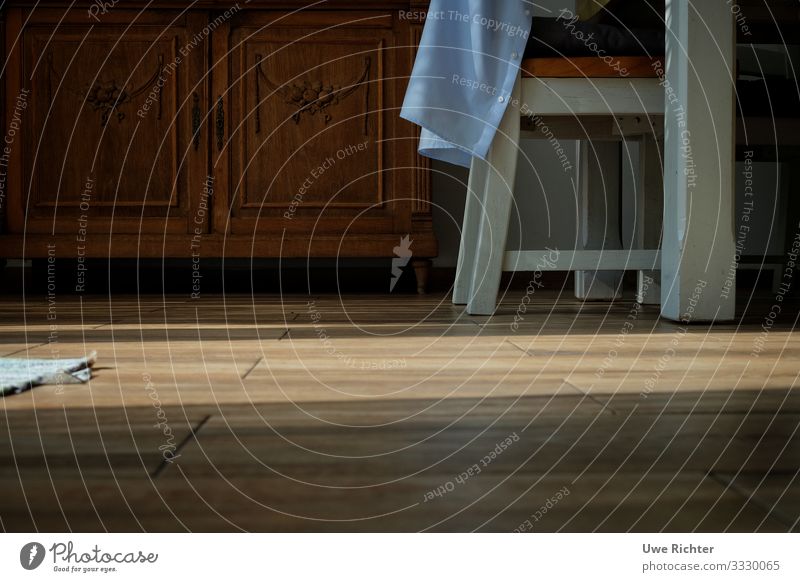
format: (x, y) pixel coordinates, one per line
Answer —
(108, 97)
(311, 96)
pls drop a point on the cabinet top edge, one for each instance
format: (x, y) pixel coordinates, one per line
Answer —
(223, 4)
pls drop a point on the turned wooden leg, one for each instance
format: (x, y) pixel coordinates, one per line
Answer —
(422, 269)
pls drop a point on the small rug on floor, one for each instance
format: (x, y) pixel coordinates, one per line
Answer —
(20, 374)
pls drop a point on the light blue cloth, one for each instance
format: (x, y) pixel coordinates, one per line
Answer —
(465, 70)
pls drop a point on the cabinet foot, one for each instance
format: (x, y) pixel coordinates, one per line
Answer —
(422, 269)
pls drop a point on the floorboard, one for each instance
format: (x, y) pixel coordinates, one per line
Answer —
(381, 413)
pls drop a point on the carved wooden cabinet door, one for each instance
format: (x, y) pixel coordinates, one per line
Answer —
(238, 128)
(112, 134)
(310, 104)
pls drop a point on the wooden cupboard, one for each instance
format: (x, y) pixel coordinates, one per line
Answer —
(264, 129)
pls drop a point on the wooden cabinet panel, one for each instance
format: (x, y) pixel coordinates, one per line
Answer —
(222, 129)
(312, 102)
(310, 115)
(108, 134)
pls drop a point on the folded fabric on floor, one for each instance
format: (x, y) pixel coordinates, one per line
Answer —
(20, 374)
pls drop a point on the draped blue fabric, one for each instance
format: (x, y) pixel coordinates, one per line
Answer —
(465, 70)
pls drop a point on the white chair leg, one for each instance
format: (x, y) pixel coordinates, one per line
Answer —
(473, 209)
(599, 188)
(698, 246)
(493, 222)
(649, 214)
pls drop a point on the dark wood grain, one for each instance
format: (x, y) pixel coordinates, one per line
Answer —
(248, 183)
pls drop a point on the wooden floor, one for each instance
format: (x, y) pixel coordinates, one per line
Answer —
(398, 413)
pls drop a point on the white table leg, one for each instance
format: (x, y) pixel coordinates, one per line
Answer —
(698, 244)
(473, 208)
(494, 219)
(599, 189)
(649, 213)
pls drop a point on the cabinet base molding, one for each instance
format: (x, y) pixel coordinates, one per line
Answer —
(211, 246)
